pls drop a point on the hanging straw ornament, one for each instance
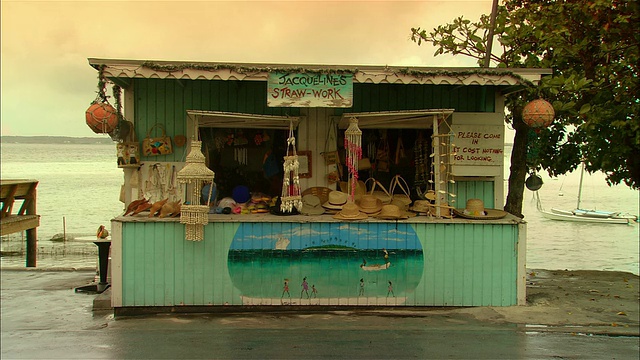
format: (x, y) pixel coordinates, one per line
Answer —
(193, 175)
(353, 145)
(290, 196)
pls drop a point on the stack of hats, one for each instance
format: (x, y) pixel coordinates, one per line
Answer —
(369, 204)
(335, 202)
(259, 203)
(392, 212)
(422, 207)
(350, 212)
(311, 205)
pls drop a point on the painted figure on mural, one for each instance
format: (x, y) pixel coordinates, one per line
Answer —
(361, 292)
(386, 255)
(314, 291)
(390, 291)
(305, 288)
(285, 289)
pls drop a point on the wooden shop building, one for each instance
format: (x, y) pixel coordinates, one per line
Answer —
(440, 129)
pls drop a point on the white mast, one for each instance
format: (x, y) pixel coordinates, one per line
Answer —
(580, 186)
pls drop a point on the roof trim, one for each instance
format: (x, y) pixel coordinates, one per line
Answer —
(132, 69)
(221, 119)
(402, 119)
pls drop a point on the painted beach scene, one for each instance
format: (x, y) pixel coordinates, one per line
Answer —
(326, 264)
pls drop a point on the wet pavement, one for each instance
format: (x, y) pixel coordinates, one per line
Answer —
(43, 317)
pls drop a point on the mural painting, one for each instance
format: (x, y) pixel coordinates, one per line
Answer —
(325, 263)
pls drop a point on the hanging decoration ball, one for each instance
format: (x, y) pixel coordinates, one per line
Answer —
(101, 117)
(538, 113)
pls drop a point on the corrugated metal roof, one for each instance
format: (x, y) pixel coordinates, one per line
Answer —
(181, 70)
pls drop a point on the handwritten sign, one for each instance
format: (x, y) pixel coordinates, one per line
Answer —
(478, 145)
(309, 90)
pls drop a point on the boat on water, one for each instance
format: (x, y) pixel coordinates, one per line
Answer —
(589, 216)
(584, 215)
(376, 267)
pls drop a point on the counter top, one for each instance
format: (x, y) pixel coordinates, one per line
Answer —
(256, 218)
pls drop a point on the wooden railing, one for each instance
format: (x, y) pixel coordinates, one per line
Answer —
(26, 218)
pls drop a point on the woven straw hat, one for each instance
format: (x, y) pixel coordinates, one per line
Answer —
(421, 206)
(475, 210)
(391, 212)
(319, 191)
(311, 205)
(336, 200)
(369, 204)
(403, 206)
(350, 212)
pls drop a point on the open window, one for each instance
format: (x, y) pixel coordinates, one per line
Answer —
(244, 149)
(402, 142)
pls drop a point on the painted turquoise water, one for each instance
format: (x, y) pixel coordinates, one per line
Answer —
(334, 274)
(333, 261)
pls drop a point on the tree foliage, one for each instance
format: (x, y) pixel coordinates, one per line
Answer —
(592, 48)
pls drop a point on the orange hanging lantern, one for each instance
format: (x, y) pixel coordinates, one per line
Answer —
(538, 113)
(101, 117)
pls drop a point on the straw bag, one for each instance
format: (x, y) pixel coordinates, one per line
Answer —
(381, 194)
(400, 182)
(160, 145)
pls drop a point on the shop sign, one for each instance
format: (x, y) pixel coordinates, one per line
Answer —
(310, 90)
(478, 145)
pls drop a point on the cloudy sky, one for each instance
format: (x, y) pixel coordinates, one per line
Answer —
(47, 83)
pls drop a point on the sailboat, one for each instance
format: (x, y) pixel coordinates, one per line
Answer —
(584, 215)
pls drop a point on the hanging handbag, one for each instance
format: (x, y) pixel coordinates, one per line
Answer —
(160, 145)
(129, 151)
(382, 154)
(398, 181)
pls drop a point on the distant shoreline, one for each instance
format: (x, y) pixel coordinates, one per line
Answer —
(55, 140)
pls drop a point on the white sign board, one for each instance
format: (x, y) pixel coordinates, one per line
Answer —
(309, 90)
(478, 145)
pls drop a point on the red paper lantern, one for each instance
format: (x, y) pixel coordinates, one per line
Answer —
(102, 118)
(538, 113)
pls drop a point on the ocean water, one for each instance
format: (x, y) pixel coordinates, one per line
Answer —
(79, 187)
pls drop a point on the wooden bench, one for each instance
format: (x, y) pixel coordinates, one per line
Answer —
(25, 218)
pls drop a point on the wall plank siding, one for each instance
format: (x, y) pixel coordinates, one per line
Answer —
(466, 264)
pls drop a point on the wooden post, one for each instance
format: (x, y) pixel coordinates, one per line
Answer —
(32, 234)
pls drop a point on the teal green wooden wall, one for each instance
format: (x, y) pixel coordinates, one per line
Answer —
(483, 190)
(167, 101)
(462, 264)
(389, 97)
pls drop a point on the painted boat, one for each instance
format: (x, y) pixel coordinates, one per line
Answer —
(376, 267)
(282, 243)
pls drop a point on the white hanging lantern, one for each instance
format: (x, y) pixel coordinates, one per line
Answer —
(290, 196)
(353, 145)
(193, 175)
